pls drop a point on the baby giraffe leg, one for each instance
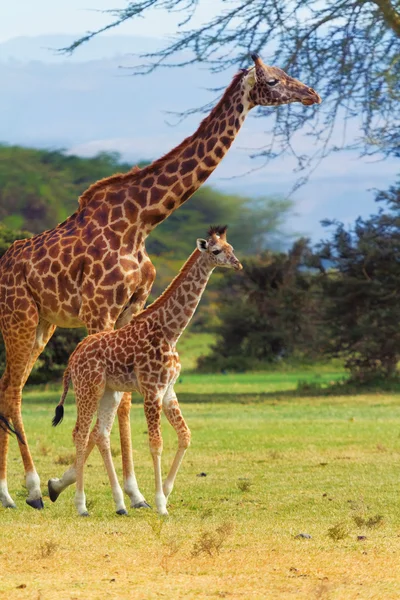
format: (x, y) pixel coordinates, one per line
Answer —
(56, 486)
(131, 487)
(174, 416)
(106, 415)
(81, 438)
(152, 409)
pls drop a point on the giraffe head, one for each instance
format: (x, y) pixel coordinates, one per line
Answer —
(272, 86)
(219, 252)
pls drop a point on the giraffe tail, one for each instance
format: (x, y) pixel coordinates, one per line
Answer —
(59, 412)
(6, 426)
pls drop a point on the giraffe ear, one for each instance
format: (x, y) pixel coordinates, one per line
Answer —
(202, 245)
(251, 76)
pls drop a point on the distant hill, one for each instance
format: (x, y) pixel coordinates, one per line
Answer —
(40, 188)
(44, 48)
(86, 104)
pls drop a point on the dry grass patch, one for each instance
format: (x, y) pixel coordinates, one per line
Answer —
(222, 539)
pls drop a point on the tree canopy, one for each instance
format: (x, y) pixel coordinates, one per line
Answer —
(271, 313)
(349, 51)
(40, 188)
(360, 285)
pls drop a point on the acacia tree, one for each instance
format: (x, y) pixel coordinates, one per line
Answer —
(360, 283)
(347, 49)
(267, 312)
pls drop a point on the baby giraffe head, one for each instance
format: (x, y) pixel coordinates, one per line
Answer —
(217, 250)
(272, 87)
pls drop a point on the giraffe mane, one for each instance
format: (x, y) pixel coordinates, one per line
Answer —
(136, 174)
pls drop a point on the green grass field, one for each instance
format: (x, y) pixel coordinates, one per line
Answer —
(277, 465)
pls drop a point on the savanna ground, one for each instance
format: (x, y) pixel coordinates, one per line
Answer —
(277, 465)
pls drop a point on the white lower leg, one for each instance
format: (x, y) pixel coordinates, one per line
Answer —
(161, 501)
(131, 488)
(118, 498)
(170, 479)
(5, 497)
(80, 498)
(80, 503)
(33, 486)
(104, 447)
(67, 479)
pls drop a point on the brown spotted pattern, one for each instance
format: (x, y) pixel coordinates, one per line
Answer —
(142, 356)
(93, 269)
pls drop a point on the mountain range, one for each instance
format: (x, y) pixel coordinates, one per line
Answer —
(90, 101)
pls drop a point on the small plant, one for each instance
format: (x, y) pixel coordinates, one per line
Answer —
(47, 549)
(375, 521)
(338, 532)
(309, 387)
(115, 452)
(65, 459)
(275, 454)
(244, 485)
(44, 450)
(90, 504)
(155, 522)
(370, 522)
(170, 548)
(210, 542)
(206, 514)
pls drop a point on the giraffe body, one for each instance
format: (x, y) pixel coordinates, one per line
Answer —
(93, 269)
(141, 356)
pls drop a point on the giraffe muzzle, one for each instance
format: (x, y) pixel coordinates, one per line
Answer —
(311, 98)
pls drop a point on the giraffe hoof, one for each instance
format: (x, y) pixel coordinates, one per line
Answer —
(122, 511)
(142, 504)
(11, 505)
(37, 503)
(53, 495)
(84, 514)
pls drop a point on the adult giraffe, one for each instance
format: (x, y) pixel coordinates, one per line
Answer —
(93, 269)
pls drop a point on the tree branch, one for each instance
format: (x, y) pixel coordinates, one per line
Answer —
(390, 15)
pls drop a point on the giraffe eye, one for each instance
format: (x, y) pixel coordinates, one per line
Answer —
(272, 82)
(216, 252)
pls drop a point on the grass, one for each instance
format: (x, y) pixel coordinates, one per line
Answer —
(193, 345)
(277, 465)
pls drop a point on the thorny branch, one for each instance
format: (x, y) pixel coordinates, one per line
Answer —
(349, 50)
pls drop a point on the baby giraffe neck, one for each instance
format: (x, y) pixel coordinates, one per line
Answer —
(175, 307)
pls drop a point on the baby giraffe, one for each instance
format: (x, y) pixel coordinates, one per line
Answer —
(141, 356)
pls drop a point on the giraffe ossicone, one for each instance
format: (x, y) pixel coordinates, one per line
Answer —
(141, 357)
(93, 270)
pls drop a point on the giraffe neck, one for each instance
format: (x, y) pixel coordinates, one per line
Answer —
(166, 184)
(174, 309)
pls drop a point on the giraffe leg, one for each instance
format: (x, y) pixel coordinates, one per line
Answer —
(81, 437)
(152, 409)
(131, 487)
(87, 395)
(5, 497)
(174, 416)
(106, 415)
(23, 345)
(56, 486)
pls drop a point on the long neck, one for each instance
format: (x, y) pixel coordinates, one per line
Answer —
(166, 184)
(146, 197)
(175, 307)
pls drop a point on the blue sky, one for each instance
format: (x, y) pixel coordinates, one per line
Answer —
(36, 17)
(341, 187)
